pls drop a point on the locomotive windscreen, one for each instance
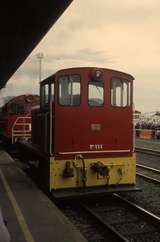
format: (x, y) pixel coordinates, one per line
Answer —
(69, 90)
(96, 93)
(16, 107)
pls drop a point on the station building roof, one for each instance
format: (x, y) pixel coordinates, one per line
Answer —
(23, 24)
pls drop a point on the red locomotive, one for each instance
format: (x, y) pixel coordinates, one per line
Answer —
(84, 131)
(16, 114)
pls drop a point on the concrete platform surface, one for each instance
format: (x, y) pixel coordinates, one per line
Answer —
(31, 216)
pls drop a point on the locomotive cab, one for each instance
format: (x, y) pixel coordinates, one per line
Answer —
(84, 129)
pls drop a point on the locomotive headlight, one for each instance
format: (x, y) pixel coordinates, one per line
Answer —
(98, 74)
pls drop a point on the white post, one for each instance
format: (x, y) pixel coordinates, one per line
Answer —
(40, 57)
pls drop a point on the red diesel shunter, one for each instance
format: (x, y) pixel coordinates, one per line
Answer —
(16, 117)
(84, 131)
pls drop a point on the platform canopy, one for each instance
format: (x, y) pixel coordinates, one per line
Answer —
(22, 26)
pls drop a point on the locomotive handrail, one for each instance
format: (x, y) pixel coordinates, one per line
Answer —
(22, 132)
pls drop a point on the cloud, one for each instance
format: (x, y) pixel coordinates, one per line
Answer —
(120, 34)
(93, 14)
(84, 55)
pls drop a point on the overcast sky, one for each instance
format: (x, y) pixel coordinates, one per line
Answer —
(120, 34)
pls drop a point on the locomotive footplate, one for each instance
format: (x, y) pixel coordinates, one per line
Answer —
(92, 192)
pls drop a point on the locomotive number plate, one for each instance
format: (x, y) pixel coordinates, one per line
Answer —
(96, 127)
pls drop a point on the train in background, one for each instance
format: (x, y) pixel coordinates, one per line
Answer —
(16, 118)
(83, 132)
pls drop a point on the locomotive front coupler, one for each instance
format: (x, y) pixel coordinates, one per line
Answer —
(100, 168)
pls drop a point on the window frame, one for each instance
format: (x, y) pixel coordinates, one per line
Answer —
(80, 82)
(95, 106)
(51, 90)
(129, 92)
(16, 103)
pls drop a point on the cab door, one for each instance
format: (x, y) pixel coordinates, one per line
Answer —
(46, 115)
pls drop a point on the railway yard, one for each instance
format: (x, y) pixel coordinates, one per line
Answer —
(127, 216)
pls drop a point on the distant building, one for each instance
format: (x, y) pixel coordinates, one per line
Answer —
(136, 116)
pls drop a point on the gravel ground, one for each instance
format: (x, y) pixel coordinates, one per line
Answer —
(148, 160)
(149, 173)
(148, 198)
(126, 220)
(85, 224)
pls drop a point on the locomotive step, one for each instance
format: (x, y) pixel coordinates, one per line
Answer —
(93, 191)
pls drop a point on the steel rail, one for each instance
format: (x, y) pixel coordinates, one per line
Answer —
(147, 151)
(149, 215)
(148, 168)
(143, 213)
(148, 178)
(104, 224)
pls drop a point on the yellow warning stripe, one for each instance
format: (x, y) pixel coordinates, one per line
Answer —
(19, 215)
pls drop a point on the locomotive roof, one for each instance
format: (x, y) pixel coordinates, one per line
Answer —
(12, 98)
(91, 68)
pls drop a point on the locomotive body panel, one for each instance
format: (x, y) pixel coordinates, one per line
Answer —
(88, 128)
(76, 132)
(121, 170)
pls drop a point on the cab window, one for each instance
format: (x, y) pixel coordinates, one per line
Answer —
(12, 108)
(47, 94)
(69, 90)
(120, 92)
(16, 107)
(96, 93)
(20, 107)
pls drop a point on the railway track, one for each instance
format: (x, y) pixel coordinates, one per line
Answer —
(148, 173)
(127, 220)
(119, 219)
(148, 151)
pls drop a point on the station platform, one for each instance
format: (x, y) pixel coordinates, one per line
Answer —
(31, 216)
(153, 144)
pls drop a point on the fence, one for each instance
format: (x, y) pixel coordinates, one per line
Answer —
(21, 129)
